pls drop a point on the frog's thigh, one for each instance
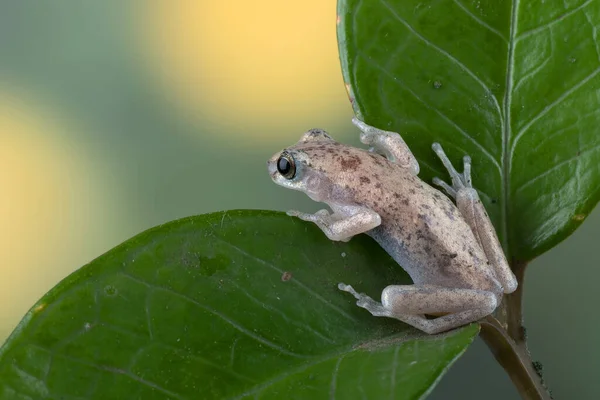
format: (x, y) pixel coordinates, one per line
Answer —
(408, 303)
(429, 299)
(473, 211)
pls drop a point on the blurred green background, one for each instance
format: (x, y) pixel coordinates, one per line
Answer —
(116, 116)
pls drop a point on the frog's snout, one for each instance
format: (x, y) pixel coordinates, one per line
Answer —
(272, 165)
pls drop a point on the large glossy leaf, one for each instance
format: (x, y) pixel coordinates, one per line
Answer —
(514, 84)
(232, 305)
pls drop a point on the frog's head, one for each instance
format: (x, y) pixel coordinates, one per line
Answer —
(299, 167)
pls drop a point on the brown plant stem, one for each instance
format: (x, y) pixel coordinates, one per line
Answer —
(505, 335)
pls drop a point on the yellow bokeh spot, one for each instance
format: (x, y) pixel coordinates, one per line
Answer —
(267, 63)
(43, 216)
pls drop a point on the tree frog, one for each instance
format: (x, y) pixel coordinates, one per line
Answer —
(451, 252)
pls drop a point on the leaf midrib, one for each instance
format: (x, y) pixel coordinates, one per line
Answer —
(506, 128)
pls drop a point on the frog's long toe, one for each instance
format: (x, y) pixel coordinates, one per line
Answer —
(459, 181)
(347, 288)
(467, 171)
(437, 181)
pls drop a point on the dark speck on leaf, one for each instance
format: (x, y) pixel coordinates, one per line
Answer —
(110, 290)
(286, 276)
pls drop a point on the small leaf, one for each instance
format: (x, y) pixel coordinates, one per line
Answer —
(513, 84)
(242, 304)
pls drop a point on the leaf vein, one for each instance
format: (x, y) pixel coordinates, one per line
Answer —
(557, 166)
(393, 375)
(548, 138)
(318, 360)
(444, 52)
(294, 281)
(334, 375)
(225, 318)
(277, 311)
(553, 22)
(550, 106)
(479, 20)
(113, 370)
(148, 317)
(441, 114)
(506, 127)
(536, 70)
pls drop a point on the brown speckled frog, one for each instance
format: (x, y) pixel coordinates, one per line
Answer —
(450, 251)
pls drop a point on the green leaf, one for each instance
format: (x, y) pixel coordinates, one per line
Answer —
(513, 84)
(242, 304)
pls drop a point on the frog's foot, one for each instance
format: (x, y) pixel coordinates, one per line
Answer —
(371, 135)
(375, 308)
(389, 144)
(459, 181)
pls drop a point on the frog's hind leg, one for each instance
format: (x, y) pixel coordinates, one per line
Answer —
(390, 144)
(409, 304)
(473, 211)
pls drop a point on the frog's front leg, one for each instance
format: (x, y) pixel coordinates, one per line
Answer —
(473, 211)
(390, 144)
(346, 222)
(410, 303)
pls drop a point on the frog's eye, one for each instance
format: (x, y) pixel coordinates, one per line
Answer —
(286, 166)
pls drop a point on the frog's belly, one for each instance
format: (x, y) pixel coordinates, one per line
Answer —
(447, 263)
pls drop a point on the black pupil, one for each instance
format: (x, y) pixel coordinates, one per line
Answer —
(284, 166)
